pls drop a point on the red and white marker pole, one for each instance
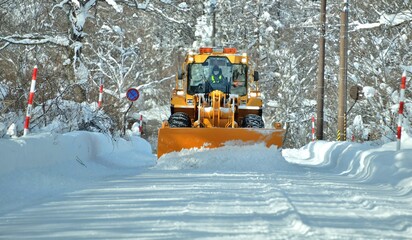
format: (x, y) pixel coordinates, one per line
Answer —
(141, 124)
(30, 101)
(100, 94)
(313, 129)
(401, 105)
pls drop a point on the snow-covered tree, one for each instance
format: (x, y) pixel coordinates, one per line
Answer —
(76, 43)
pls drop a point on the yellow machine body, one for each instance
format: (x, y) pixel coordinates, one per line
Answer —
(176, 139)
(209, 113)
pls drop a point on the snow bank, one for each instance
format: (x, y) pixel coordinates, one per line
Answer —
(39, 165)
(364, 162)
(83, 148)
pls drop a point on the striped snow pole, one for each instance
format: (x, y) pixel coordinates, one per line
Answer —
(313, 129)
(30, 101)
(401, 105)
(100, 94)
(141, 124)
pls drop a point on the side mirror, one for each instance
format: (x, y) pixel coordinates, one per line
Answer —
(256, 76)
(356, 92)
(179, 73)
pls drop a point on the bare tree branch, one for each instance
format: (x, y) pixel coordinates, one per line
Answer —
(35, 39)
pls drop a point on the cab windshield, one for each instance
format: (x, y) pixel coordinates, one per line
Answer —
(217, 73)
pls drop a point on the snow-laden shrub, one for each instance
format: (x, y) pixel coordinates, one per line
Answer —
(4, 90)
(9, 119)
(358, 131)
(65, 116)
(3, 129)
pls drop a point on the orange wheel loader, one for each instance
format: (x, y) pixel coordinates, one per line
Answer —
(216, 100)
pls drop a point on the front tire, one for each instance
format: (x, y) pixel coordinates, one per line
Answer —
(253, 121)
(179, 119)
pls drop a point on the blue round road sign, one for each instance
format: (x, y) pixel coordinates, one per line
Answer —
(132, 94)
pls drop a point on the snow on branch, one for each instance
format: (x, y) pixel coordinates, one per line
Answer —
(154, 82)
(5, 45)
(35, 39)
(387, 19)
(396, 19)
(165, 16)
(60, 5)
(86, 4)
(146, 6)
(112, 3)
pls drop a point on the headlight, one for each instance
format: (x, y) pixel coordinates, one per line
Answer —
(254, 94)
(244, 58)
(277, 125)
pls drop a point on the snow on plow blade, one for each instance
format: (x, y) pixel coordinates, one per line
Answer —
(176, 139)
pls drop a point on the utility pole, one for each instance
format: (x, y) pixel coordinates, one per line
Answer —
(343, 73)
(213, 9)
(321, 72)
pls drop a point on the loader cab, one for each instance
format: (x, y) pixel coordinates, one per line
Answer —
(230, 78)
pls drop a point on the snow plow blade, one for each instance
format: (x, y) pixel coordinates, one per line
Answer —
(177, 139)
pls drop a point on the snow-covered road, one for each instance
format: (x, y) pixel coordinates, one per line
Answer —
(225, 194)
(182, 205)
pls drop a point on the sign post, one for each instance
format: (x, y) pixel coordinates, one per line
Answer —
(132, 94)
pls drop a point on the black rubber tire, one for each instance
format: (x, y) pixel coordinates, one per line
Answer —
(252, 121)
(179, 119)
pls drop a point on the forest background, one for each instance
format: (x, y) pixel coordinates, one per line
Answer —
(77, 44)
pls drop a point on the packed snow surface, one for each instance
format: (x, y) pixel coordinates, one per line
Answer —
(85, 185)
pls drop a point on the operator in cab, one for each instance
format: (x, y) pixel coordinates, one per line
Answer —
(217, 80)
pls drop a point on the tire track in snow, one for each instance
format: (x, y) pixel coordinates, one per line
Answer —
(159, 205)
(221, 200)
(332, 206)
